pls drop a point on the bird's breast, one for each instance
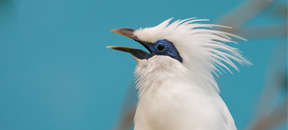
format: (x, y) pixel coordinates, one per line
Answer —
(178, 108)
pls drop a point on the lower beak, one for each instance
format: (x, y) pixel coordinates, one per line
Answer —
(137, 53)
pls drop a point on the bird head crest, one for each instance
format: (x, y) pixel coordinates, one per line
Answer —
(199, 48)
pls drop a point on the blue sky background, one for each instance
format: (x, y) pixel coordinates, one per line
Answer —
(57, 74)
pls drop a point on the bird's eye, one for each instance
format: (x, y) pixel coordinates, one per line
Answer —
(160, 47)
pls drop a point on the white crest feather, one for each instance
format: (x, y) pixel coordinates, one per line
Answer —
(203, 50)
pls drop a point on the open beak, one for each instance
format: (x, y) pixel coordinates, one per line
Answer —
(137, 53)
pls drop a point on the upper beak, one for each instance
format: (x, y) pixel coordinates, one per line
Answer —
(128, 32)
(140, 54)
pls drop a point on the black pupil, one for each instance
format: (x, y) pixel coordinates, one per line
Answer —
(160, 47)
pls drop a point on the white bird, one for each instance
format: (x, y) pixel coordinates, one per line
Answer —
(177, 88)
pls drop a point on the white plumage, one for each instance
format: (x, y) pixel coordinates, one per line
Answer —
(184, 95)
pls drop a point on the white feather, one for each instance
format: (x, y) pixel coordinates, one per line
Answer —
(203, 50)
(185, 96)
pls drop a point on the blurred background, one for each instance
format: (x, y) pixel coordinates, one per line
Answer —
(57, 74)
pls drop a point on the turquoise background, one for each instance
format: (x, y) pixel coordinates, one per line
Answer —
(57, 74)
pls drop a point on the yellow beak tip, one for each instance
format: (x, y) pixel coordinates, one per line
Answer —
(110, 47)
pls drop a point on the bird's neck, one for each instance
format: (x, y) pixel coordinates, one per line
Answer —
(154, 78)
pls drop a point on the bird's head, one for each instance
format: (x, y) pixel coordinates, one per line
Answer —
(183, 44)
